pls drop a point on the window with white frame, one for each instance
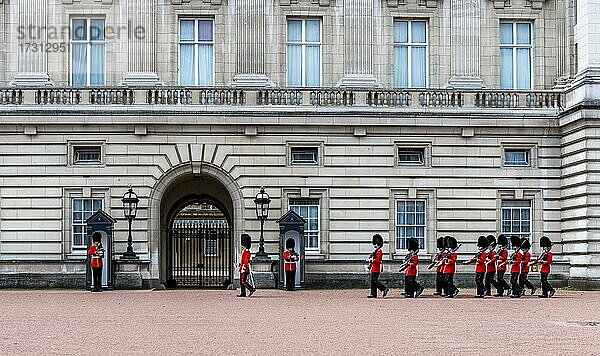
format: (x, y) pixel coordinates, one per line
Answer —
(309, 210)
(516, 218)
(305, 155)
(410, 54)
(87, 155)
(517, 157)
(88, 52)
(516, 55)
(411, 155)
(196, 48)
(83, 208)
(303, 52)
(410, 222)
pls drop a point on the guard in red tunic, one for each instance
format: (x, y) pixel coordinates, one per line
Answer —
(515, 269)
(290, 258)
(546, 260)
(438, 262)
(412, 288)
(491, 266)
(96, 253)
(480, 267)
(523, 281)
(245, 266)
(449, 267)
(502, 257)
(376, 267)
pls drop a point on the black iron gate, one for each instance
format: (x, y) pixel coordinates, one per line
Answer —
(199, 254)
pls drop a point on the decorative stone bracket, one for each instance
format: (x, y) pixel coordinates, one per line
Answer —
(212, 2)
(534, 4)
(293, 2)
(426, 3)
(69, 2)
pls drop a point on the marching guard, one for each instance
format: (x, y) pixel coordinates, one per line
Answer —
(246, 242)
(412, 288)
(438, 262)
(490, 272)
(502, 258)
(545, 259)
(375, 266)
(523, 281)
(449, 266)
(515, 269)
(290, 257)
(480, 266)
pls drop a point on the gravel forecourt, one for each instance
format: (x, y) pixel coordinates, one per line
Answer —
(273, 322)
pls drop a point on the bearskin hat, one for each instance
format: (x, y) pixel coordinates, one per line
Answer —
(545, 242)
(290, 243)
(377, 240)
(515, 241)
(482, 242)
(525, 244)
(441, 243)
(502, 240)
(413, 244)
(246, 240)
(97, 237)
(451, 242)
(491, 240)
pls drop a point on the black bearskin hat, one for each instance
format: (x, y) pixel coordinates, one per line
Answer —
(413, 244)
(441, 243)
(97, 237)
(502, 240)
(377, 240)
(515, 241)
(491, 240)
(451, 242)
(525, 244)
(482, 242)
(545, 242)
(290, 243)
(246, 241)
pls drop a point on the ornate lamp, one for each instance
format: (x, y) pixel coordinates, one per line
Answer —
(262, 202)
(130, 202)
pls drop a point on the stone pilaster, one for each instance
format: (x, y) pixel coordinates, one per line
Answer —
(358, 43)
(465, 31)
(32, 59)
(141, 69)
(562, 44)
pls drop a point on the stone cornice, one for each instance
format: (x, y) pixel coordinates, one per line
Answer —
(212, 2)
(294, 2)
(70, 2)
(426, 3)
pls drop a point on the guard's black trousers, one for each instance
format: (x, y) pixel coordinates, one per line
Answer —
(479, 282)
(244, 283)
(411, 285)
(290, 280)
(440, 286)
(524, 282)
(514, 283)
(375, 284)
(546, 287)
(502, 284)
(449, 286)
(489, 282)
(97, 278)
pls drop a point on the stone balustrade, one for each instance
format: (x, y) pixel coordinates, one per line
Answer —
(294, 97)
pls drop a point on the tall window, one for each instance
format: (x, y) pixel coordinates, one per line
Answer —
(88, 44)
(410, 54)
(309, 210)
(516, 218)
(196, 46)
(304, 53)
(83, 208)
(410, 222)
(515, 55)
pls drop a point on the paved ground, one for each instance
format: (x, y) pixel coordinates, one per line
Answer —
(341, 322)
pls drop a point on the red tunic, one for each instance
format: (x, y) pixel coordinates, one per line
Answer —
(377, 262)
(289, 263)
(502, 257)
(245, 261)
(545, 263)
(450, 264)
(479, 263)
(525, 263)
(491, 266)
(516, 265)
(411, 270)
(440, 268)
(96, 261)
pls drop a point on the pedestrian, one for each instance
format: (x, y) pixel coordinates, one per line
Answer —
(375, 266)
(438, 262)
(96, 253)
(546, 260)
(244, 269)
(523, 281)
(515, 269)
(490, 272)
(449, 264)
(412, 288)
(502, 257)
(480, 267)
(290, 258)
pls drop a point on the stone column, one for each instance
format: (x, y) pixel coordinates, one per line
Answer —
(250, 47)
(32, 34)
(465, 31)
(358, 43)
(562, 43)
(141, 41)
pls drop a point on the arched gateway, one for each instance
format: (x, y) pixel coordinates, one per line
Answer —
(195, 212)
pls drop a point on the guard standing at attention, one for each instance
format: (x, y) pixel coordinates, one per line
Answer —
(96, 253)
(290, 258)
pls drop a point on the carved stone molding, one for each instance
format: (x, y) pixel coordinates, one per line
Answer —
(426, 3)
(293, 2)
(212, 2)
(534, 4)
(69, 2)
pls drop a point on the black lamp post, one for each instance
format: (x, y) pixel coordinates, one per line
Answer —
(262, 202)
(130, 201)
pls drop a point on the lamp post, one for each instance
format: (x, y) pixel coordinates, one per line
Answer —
(130, 201)
(262, 202)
